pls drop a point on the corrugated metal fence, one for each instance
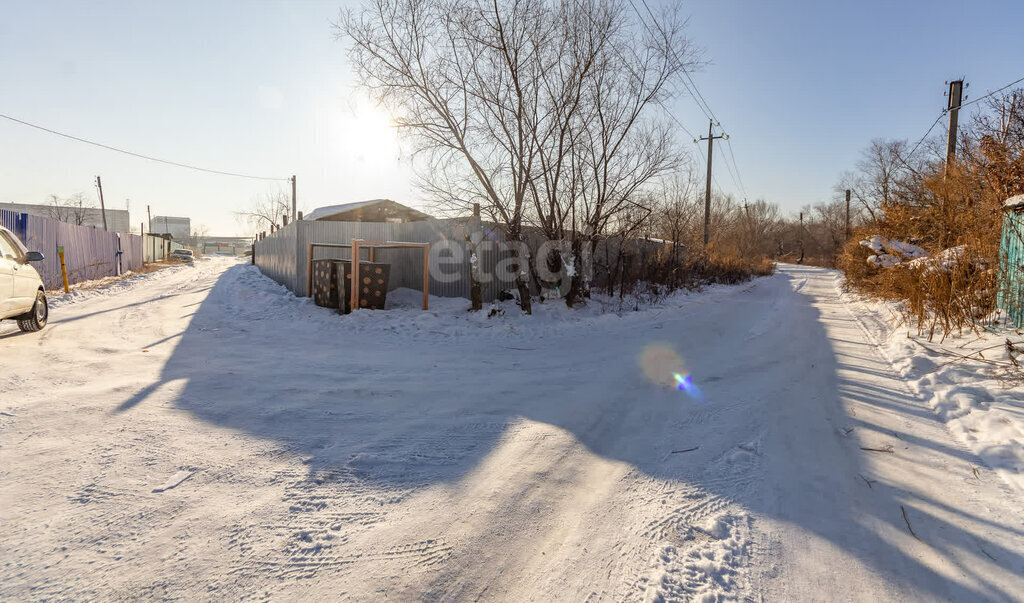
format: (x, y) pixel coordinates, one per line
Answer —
(12, 221)
(1011, 250)
(89, 253)
(156, 248)
(283, 256)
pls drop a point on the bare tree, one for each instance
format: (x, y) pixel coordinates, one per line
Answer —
(998, 129)
(1002, 119)
(266, 210)
(676, 209)
(885, 175)
(537, 110)
(73, 210)
(453, 73)
(757, 228)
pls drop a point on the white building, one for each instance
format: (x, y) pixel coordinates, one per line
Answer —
(178, 228)
(117, 219)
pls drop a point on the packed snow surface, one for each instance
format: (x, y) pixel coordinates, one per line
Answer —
(200, 433)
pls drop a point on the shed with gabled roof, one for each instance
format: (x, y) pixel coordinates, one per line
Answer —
(375, 210)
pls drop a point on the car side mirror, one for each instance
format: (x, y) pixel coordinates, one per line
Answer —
(34, 256)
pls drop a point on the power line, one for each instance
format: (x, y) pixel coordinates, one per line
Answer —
(139, 155)
(961, 106)
(732, 175)
(694, 92)
(732, 155)
(934, 123)
(700, 152)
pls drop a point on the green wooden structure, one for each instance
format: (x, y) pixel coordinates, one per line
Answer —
(1010, 297)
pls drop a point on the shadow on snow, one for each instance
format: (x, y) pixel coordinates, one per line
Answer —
(395, 412)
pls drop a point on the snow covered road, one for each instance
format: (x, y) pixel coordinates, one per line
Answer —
(200, 433)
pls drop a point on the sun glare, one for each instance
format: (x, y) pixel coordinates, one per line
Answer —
(366, 134)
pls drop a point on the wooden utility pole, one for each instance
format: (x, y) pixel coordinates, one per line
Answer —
(956, 91)
(103, 207)
(847, 214)
(707, 190)
(295, 213)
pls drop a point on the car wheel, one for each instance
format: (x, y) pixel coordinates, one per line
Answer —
(35, 320)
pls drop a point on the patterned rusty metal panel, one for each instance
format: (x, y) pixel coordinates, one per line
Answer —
(325, 283)
(1010, 297)
(373, 284)
(343, 269)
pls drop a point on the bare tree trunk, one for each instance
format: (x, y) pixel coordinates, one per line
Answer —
(474, 235)
(579, 287)
(522, 270)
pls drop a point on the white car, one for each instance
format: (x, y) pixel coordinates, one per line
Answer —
(182, 255)
(22, 296)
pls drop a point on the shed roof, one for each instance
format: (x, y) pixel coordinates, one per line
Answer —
(331, 212)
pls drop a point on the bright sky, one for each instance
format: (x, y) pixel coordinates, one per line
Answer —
(262, 88)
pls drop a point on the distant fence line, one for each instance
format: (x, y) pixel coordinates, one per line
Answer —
(89, 253)
(156, 248)
(283, 256)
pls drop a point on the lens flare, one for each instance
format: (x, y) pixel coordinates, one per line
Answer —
(684, 383)
(662, 365)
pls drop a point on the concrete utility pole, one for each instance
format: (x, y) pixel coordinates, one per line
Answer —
(847, 214)
(103, 208)
(956, 91)
(149, 219)
(295, 213)
(707, 191)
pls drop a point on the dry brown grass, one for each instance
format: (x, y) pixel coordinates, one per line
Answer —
(154, 266)
(732, 268)
(953, 210)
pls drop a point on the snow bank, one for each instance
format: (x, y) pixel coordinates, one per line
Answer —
(890, 252)
(110, 285)
(948, 259)
(1015, 202)
(979, 400)
(450, 317)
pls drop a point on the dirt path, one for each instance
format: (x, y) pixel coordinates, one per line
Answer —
(411, 455)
